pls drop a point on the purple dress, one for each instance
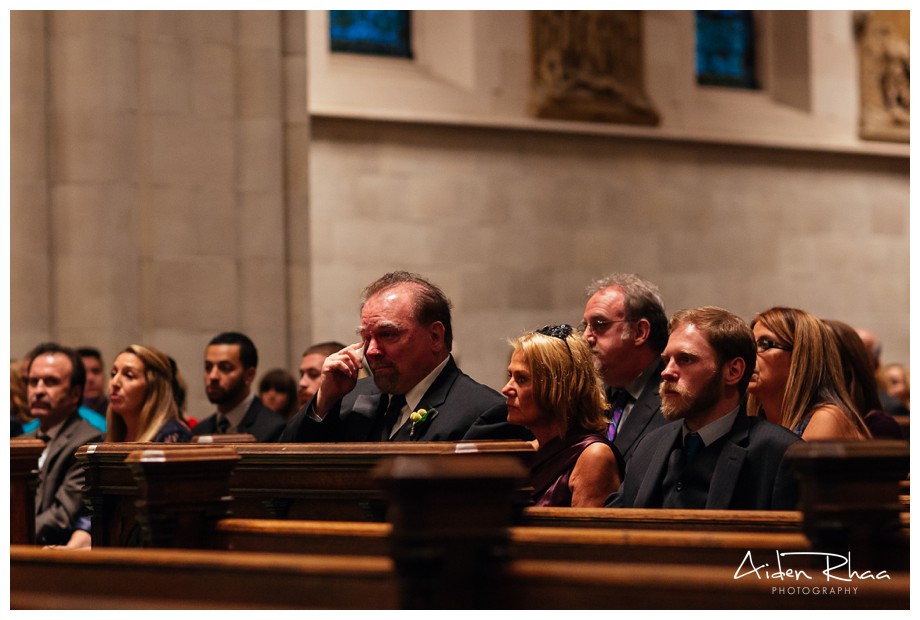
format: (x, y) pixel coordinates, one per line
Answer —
(552, 465)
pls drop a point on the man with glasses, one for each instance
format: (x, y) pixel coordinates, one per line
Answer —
(416, 391)
(627, 329)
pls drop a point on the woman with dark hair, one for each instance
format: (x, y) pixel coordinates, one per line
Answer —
(858, 376)
(142, 406)
(798, 379)
(278, 392)
(554, 391)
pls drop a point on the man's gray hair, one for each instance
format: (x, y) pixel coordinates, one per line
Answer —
(642, 300)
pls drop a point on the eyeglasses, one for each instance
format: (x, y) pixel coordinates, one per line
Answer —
(599, 326)
(765, 344)
(562, 332)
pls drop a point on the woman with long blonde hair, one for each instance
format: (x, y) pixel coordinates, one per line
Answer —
(141, 402)
(798, 379)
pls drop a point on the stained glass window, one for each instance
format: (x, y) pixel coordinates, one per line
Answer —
(381, 33)
(725, 49)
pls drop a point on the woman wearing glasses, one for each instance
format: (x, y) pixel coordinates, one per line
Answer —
(798, 380)
(553, 390)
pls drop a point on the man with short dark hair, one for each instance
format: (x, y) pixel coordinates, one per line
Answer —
(416, 391)
(55, 391)
(230, 362)
(711, 455)
(94, 392)
(626, 327)
(311, 367)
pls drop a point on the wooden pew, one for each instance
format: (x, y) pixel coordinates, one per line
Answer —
(669, 546)
(837, 526)
(181, 579)
(449, 545)
(24, 455)
(280, 481)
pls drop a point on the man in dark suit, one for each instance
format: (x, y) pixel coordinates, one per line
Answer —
(626, 327)
(55, 392)
(711, 455)
(416, 391)
(230, 362)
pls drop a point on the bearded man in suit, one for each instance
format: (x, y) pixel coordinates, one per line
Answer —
(711, 455)
(416, 392)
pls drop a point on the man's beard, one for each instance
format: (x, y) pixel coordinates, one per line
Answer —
(228, 396)
(689, 405)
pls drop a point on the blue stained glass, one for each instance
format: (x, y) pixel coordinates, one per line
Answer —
(725, 49)
(381, 33)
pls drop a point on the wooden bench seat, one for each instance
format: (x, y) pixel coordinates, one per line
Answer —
(181, 579)
(530, 542)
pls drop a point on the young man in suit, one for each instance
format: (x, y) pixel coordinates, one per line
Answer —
(230, 362)
(626, 327)
(55, 392)
(416, 391)
(711, 455)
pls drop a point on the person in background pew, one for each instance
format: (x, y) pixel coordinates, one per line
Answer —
(860, 381)
(279, 392)
(230, 362)
(798, 382)
(895, 381)
(94, 393)
(554, 391)
(711, 455)
(19, 401)
(627, 328)
(55, 390)
(311, 369)
(874, 348)
(142, 406)
(416, 392)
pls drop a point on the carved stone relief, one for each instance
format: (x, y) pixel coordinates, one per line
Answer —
(588, 66)
(884, 49)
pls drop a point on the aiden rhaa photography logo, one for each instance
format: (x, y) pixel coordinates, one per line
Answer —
(838, 577)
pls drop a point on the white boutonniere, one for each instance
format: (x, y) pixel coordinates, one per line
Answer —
(419, 417)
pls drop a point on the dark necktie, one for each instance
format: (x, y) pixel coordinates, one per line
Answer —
(692, 445)
(620, 398)
(223, 424)
(397, 402)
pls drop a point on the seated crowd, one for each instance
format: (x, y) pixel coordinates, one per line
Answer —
(631, 410)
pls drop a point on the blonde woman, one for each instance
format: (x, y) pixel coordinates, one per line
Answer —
(141, 402)
(798, 379)
(554, 391)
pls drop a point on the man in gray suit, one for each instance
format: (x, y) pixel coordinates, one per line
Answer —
(711, 455)
(626, 328)
(55, 391)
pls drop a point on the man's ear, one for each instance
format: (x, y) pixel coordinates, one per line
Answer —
(436, 331)
(249, 375)
(643, 329)
(732, 371)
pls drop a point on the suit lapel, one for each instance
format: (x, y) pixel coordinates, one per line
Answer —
(641, 415)
(728, 466)
(369, 410)
(652, 477)
(55, 448)
(434, 398)
(250, 418)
